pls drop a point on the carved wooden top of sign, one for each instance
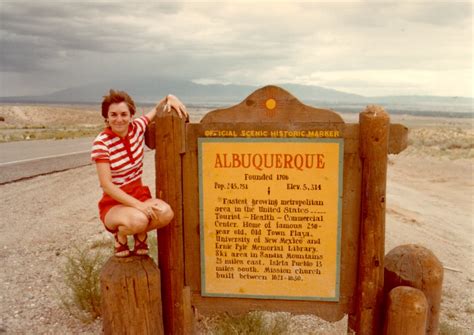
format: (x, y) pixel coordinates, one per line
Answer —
(272, 104)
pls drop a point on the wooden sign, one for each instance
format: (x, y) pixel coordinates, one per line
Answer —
(279, 206)
(270, 212)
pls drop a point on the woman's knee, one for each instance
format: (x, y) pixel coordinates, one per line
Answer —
(164, 214)
(129, 220)
(167, 213)
(137, 221)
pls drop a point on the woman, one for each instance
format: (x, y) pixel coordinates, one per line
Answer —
(127, 207)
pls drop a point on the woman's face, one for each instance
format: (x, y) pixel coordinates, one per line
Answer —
(119, 118)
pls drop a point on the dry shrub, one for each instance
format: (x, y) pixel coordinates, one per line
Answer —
(448, 329)
(253, 323)
(450, 142)
(45, 134)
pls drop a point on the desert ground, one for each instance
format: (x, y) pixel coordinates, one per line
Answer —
(429, 202)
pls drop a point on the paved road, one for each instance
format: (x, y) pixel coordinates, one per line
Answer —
(24, 150)
(25, 159)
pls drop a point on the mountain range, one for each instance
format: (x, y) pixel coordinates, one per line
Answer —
(150, 89)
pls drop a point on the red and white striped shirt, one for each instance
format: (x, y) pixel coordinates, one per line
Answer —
(125, 155)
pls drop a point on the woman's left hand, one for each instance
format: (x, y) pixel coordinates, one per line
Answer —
(172, 102)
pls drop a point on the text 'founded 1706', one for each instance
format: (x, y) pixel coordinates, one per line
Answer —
(270, 212)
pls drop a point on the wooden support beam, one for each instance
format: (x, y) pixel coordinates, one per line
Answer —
(373, 139)
(169, 148)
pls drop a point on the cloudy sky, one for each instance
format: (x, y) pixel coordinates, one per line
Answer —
(370, 48)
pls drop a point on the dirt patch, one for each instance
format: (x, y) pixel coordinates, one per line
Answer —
(33, 122)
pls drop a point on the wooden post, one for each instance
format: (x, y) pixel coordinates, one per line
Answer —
(373, 139)
(170, 141)
(406, 312)
(131, 296)
(415, 266)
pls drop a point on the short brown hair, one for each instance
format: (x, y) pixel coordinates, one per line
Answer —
(116, 97)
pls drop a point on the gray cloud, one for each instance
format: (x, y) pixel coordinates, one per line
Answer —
(318, 43)
(441, 14)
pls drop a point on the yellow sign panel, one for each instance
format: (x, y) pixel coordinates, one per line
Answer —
(270, 217)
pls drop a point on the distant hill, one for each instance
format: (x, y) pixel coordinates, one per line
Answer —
(150, 89)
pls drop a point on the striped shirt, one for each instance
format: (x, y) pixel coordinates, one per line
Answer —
(125, 155)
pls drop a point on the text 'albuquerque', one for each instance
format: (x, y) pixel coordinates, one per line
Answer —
(270, 161)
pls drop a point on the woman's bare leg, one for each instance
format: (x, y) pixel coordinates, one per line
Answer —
(164, 214)
(126, 221)
(130, 221)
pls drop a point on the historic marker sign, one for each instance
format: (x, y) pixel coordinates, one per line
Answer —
(270, 213)
(262, 213)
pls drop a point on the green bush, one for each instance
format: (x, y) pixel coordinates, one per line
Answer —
(82, 276)
(82, 279)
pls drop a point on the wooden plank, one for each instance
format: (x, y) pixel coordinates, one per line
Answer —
(398, 138)
(350, 227)
(170, 144)
(350, 215)
(374, 132)
(350, 133)
(329, 311)
(191, 208)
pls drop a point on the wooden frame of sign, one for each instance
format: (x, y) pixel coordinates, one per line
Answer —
(211, 195)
